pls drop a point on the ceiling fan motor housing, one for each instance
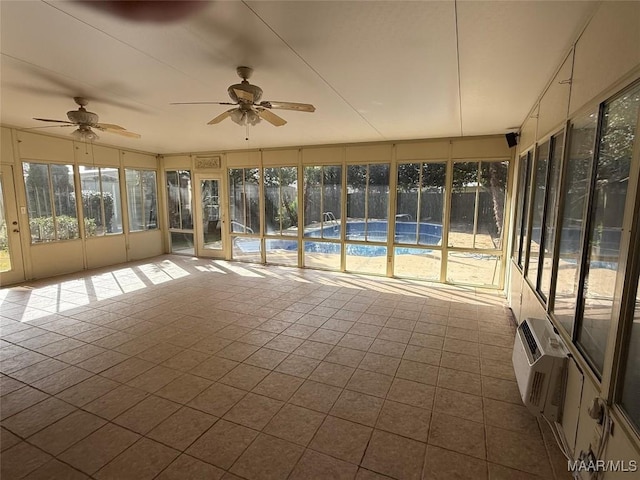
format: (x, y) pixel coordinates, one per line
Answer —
(82, 117)
(246, 87)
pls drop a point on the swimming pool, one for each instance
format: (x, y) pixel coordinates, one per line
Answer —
(376, 231)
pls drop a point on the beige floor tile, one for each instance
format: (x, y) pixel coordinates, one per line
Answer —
(8, 384)
(299, 331)
(458, 404)
(338, 324)
(20, 460)
(332, 374)
(278, 385)
(154, 379)
(266, 358)
(315, 350)
(365, 329)
(417, 372)
(159, 353)
(35, 418)
(460, 381)
(19, 400)
(396, 456)
(441, 464)
(425, 340)
(38, 370)
(7, 439)
(61, 380)
(182, 428)
(257, 337)
(87, 390)
(324, 335)
(237, 351)
(457, 434)
(60, 435)
(498, 340)
(405, 420)
(431, 329)
(412, 393)
(298, 366)
(345, 356)
(147, 414)
(116, 401)
(188, 468)
(222, 444)
(422, 354)
(497, 369)
(371, 383)
(127, 370)
(364, 474)
(502, 354)
(284, 343)
(509, 416)
(342, 439)
(143, 460)
(458, 361)
(316, 396)
(315, 465)
(357, 407)
(461, 346)
(53, 470)
(395, 335)
(217, 399)
(103, 361)
(267, 458)
(499, 389)
(80, 354)
(520, 452)
(245, 377)
(184, 388)
(380, 363)
(214, 368)
(500, 472)
(253, 411)
(295, 424)
(95, 451)
(462, 333)
(186, 360)
(357, 342)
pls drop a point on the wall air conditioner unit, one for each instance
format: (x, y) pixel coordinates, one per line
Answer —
(539, 361)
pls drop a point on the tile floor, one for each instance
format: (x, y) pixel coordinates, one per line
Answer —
(184, 368)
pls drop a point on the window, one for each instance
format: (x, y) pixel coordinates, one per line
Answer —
(142, 198)
(51, 202)
(281, 214)
(322, 199)
(549, 223)
(631, 378)
(537, 210)
(582, 136)
(367, 217)
(101, 200)
(619, 122)
(420, 197)
(524, 173)
(477, 205)
(244, 212)
(179, 199)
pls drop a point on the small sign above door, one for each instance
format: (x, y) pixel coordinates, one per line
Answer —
(207, 162)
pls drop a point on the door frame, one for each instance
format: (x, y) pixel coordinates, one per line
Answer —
(17, 272)
(225, 252)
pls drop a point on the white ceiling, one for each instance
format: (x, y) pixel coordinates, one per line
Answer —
(374, 70)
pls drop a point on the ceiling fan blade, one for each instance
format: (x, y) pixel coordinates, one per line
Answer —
(300, 107)
(118, 130)
(107, 126)
(248, 96)
(50, 126)
(202, 103)
(53, 121)
(271, 117)
(221, 117)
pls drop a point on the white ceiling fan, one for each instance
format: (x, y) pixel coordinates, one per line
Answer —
(85, 121)
(249, 110)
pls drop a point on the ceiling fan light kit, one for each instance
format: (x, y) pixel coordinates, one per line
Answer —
(249, 110)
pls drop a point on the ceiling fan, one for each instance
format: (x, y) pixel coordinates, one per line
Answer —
(85, 121)
(249, 109)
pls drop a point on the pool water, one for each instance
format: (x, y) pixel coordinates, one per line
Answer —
(376, 231)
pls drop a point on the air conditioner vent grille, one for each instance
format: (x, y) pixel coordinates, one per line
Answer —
(531, 341)
(536, 388)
